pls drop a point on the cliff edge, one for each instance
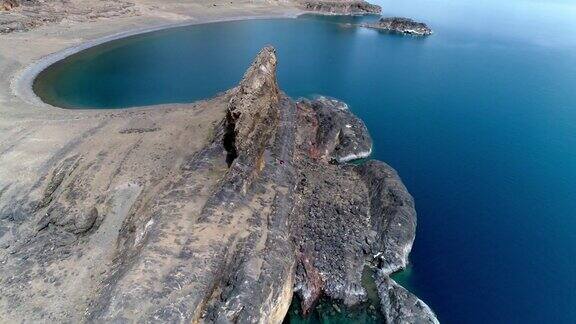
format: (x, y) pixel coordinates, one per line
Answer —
(219, 211)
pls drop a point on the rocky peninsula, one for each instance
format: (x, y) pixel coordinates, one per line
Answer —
(401, 26)
(216, 211)
(144, 225)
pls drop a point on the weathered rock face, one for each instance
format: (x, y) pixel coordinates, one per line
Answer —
(341, 136)
(395, 224)
(401, 26)
(8, 5)
(400, 306)
(346, 216)
(217, 213)
(340, 7)
(252, 116)
(331, 221)
(235, 265)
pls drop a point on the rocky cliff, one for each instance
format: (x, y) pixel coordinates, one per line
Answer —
(23, 15)
(400, 26)
(218, 212)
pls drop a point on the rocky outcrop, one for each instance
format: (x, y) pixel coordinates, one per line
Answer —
(218, 212)
(252, 117)
(341, 136)
(346, 216)
(8, 5)
(395, 230)
(339, 7)
(401, 26)
(399, 305)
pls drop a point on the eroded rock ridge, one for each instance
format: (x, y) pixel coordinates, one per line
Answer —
(147, 225)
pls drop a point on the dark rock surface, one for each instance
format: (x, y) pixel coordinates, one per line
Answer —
(339, 7)
(341, 136)
(235, 266)
(212, 213)
(400, 306)
(394, 216)
(347, 216)
(401, 26)
(8, 5)
(24, 15)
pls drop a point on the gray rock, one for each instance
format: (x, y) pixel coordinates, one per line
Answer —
(400, 306)
(395, 227)
(401, 26)
(341, 136)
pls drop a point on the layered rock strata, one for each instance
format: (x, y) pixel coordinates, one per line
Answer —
(400, 26)
(218, 212)
(400, 306)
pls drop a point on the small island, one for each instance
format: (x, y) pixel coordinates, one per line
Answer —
(401, 26)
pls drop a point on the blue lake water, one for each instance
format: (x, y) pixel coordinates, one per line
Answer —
(479, 119)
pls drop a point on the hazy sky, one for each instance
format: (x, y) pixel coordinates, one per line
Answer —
(544, 23)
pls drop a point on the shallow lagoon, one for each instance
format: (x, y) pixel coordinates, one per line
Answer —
(479, 120)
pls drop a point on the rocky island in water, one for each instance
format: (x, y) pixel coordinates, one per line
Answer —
(224, 210)
(401, 26)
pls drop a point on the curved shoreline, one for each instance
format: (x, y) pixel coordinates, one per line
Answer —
(22, 82)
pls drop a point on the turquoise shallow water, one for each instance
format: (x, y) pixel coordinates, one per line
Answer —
(333, 312)
(479, 120)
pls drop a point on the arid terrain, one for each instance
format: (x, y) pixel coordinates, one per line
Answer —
(214, 211)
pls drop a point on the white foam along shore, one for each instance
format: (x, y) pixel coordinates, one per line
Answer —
(358, 156)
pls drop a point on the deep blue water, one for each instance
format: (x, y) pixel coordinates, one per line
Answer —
(479, 119)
